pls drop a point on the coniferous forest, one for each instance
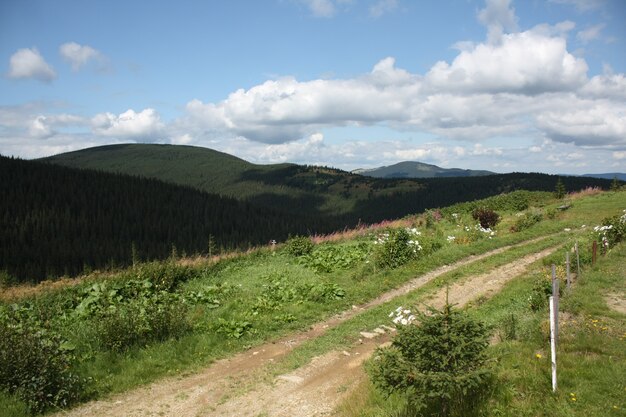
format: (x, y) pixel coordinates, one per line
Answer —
(56, 220)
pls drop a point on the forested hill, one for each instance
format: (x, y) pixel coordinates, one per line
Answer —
(57, 220)
(308, 190)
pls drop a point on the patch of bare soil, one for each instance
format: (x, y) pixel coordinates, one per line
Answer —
(616, 302)
(237, 386)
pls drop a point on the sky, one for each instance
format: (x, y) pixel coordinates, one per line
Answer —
(501, 85)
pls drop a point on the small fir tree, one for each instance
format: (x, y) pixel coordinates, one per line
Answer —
(559, 191)
(439, 364)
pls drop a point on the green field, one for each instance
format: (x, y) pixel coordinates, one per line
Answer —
(107, 334)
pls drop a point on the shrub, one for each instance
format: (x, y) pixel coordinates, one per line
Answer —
(36, 364)
(526, 221)
(299, 246)
(164, 275)
(613, 230)
(142, 321)
(439, 364)
(486, 216)
(397, 248)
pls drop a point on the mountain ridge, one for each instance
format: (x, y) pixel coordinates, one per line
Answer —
(415, 169)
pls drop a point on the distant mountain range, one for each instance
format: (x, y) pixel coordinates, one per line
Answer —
(411, 169)
(609, 176)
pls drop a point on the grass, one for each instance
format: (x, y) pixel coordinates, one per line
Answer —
(268, 289)
(591, 354)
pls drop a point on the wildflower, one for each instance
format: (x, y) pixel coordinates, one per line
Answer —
(538, 355)
(451, 238)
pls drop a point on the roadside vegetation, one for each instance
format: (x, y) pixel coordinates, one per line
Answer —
(107, 334)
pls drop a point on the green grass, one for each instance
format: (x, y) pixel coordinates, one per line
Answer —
(271, 291)
(591, 354)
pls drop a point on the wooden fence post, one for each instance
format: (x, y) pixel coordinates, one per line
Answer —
(568, 278)
(577, 262)
(594, 252)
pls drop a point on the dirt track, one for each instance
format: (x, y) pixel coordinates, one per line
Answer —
(237, 386)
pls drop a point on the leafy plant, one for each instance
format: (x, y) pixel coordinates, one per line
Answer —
(299, 246)
(527, 220)
(439, 364)
(234, 329)
(328, 258)
(486, 217)
(36, 364)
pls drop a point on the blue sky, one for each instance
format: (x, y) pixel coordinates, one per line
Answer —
(535, 85)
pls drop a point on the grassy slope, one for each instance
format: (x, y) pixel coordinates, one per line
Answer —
(591, 354)
(249, 276)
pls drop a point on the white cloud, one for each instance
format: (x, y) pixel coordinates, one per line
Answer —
(78, 55)
(526, 62)
(587, 124)
(590, 34)
(28, 63)
(145, 125)
(498, 16)
(382, 7)
(619, 155)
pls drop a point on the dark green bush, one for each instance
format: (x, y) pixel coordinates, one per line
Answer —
(486, 217)
(526, 221)
(439, 364)
(164, 275)
(140, 322)
(299, 246)
(36, 364)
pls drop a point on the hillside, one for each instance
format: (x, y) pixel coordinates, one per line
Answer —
(315, 191)
(57, 220)
(294, 325)
(410, 169)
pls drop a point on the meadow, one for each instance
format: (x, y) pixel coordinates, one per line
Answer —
(107, 333)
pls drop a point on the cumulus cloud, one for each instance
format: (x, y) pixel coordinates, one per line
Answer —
(28, 63)
(598, 123)
(526, 62)
(145, 125)
(498, 16)
(78, 55)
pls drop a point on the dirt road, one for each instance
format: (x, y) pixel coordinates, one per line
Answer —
(238, 387)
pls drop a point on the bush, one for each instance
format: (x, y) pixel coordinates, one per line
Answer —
(299, 246)
(164, 275)
(486, 216)
(526, 221)
(36, 364)
(140, 322)
(439, 364)
(397, 248)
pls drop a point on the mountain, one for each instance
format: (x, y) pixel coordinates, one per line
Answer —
(57, 220)
(410, 169)
(338, 197)
(609, 176)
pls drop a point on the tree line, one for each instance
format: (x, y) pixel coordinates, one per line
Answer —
(56, 220)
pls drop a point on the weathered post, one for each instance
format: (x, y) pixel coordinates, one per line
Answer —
(568, 278)
(594, 252)
(577, 261)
